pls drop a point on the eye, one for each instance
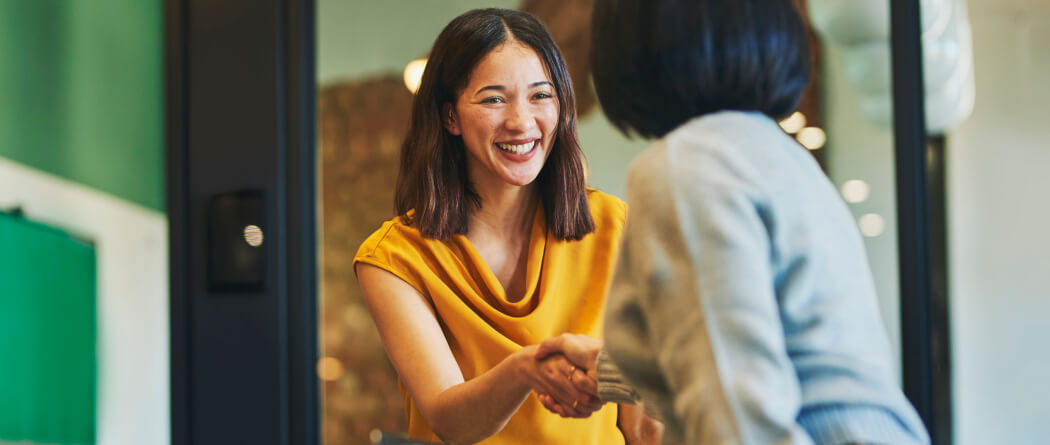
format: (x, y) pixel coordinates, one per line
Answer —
(492, 100)
(542, 95)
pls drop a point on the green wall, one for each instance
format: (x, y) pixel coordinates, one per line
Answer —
(81, 93)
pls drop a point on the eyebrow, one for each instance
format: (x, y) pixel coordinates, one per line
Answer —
(503, 88)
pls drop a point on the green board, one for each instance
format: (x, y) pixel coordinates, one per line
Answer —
(47, 335)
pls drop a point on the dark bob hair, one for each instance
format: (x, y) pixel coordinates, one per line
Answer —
(659, 63)
(433, 180)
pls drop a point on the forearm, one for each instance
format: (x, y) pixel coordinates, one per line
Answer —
(479, 408)
(612, 385)
(638, 428)
(456, 409)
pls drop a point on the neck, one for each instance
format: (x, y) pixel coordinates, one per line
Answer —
(505, 210)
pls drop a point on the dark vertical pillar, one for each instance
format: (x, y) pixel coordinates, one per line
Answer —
(241, 147)
(940, 341)
(915, 219)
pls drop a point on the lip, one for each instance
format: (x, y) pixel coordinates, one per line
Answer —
(514, 156)
(517, 141)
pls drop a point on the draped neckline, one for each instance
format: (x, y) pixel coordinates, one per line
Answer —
(533, 265)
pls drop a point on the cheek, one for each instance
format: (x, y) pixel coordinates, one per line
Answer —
(549, 117)
(477, 125)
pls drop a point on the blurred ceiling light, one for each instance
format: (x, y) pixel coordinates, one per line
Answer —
(871, 225)
(329, 369)
(811, 137)
(792, 124)
(414, 73)
(855, 190)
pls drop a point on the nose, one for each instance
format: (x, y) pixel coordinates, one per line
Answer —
(520, 117)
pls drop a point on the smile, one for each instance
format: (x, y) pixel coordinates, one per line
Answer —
(518, 149)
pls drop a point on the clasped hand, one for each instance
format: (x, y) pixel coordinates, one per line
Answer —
(568, 365)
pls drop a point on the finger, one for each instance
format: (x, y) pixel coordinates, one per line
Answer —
(580, 411)
(557, 383)
(547, 402)
(581, 349)
(550, 346)
(585, 383)
(586, 400)
(574, 403)
(591, 406)
(589, 402)
(556, 388)
(568, 405)
(553, 406)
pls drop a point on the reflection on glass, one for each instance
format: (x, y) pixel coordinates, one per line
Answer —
(871, 225)
(855, 191)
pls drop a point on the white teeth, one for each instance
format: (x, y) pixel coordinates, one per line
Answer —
(517, 149)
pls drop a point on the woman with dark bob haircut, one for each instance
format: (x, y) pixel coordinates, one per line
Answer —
(742, 309)
(497, 245)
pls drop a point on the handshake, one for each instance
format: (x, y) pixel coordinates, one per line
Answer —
(566, 381)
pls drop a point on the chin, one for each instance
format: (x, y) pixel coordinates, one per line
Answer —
(521, 181)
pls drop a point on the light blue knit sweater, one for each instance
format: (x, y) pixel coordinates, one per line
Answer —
(743, 308)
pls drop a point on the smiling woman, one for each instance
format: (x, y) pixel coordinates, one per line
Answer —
(505, 117)
(498, 246)
(466, 57)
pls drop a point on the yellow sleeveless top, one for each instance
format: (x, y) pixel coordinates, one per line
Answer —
(566, 286)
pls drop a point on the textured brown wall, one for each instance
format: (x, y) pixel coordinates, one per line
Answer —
(361, 126)
(569, 22)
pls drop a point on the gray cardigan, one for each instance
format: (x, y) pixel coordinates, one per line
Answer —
(743, 309)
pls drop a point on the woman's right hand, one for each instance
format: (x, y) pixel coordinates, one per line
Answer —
(580, 349)
(553, 378)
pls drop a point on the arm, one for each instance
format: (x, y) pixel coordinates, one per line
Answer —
(696, 267)
(637, 427)
(457, 411)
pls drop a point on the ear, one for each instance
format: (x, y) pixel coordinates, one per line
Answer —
(448, 117)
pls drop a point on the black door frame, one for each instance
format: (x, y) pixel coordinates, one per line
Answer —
(240, 92)
(921, 232)
(241, 115)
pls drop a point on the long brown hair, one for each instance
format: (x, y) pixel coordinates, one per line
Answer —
(433, 178)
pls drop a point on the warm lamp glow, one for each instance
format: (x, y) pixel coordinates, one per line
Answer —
(329, 369)
(811, 137)
(792, 124)
(855, 191)
(414, 73)
(871, 225)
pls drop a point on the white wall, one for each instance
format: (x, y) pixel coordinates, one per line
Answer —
(999, 209)
(132, 249)
(999, 203)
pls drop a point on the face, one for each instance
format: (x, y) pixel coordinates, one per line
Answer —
(507, 116)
